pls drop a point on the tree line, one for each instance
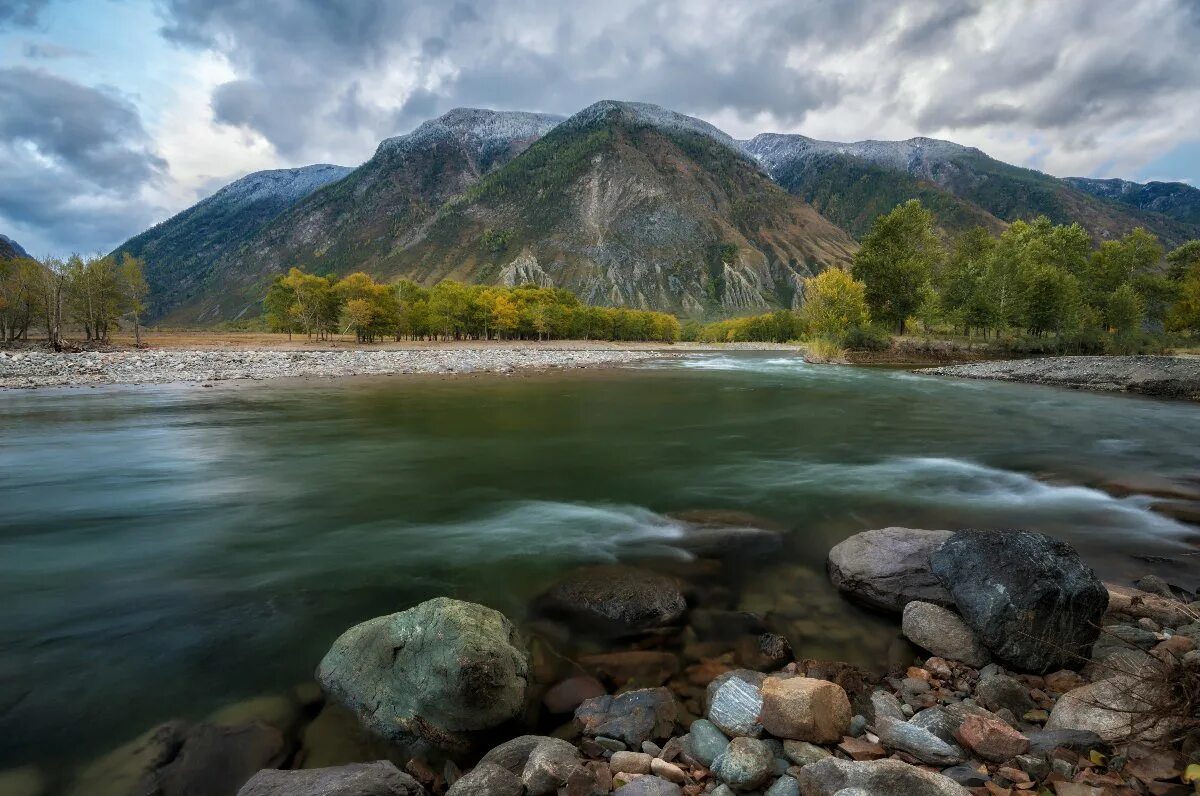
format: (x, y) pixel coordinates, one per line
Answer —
(92, 293)
(1045, 281)
(320, 306)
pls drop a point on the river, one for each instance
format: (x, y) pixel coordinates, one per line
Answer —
(166, 550)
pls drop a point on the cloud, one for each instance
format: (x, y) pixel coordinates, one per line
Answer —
(20, 13)
(73, 159)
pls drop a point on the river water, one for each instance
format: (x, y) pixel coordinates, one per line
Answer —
(166, 550)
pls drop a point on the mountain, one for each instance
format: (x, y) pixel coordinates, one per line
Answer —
(10, 249)
(356, 223)
(852, 190)
(623, 203)
(181, 251)
(1178, 200)
(851, 181)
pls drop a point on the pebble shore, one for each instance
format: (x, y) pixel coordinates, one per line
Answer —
(29, 369)
(1158, 376)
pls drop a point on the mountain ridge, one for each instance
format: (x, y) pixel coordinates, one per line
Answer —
(10, 249)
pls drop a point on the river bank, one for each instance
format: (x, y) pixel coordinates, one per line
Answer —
(35, 368)
(1156, 376)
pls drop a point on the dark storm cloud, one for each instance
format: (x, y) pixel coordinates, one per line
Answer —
(72, 158)
(20, 13)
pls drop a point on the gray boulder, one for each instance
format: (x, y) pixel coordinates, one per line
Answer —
(888, 568)
(918, 742)
(828, 777)
(944, 633)
(633, 717)
(487, 779)
(649, 786)
(745, 764)
(1030, 598)
(735, 708)
(380, 778)
(549, 766)
(429, 673)
(615, 600)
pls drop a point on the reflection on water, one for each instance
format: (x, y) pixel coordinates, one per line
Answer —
(166, 550)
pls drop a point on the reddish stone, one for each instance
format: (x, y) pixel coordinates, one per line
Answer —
(564, 697)
(858, 749)
(991, 738)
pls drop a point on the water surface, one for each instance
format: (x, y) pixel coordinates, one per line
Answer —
(165, 550)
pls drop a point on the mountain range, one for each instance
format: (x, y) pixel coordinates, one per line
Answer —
(624, 203)
(10, 249)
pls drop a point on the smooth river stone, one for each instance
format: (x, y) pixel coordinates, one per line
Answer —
(735, 708)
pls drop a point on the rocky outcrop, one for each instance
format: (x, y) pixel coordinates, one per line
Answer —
(615, 600)
(1030, 598)
(888, 568)
(1159, 376)
(380, 778)
(429, 673)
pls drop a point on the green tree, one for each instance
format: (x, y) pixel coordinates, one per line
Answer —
(132, 274)
(1181, 261)
(834, 303)
(896, 261)
(1125, 310)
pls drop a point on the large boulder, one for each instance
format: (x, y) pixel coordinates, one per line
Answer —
(1030, 598)
(804, 709)
(1119, 709)
(177, 759)
(888, 568)
(380, 778)
(615, 600)
(827, 777)
(488, 779)
(431, 672)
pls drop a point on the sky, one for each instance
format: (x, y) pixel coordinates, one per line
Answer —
(116, 114)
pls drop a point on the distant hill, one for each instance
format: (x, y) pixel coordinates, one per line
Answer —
(10, 249)
(837, 178)
(1177, 200)
(181, 252)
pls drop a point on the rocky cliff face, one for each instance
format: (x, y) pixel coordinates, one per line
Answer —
(1177, 200)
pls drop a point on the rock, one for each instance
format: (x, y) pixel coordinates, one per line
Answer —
(336, 737)
(1118, 709)
(999, 691)
(705, 741)
(512, 755)
(615, 600)
(649, 786)
(735, 708)
(859, 749)
(991, 738)
(176, 759)
(281, 712)
(802, 753)
(569, 694)
(428, 673)
(24, 781)
(1043, 742)
(804, 709)
(630, 763)
(880, 777)
(380, 778)
(967, 776)
(632, 717)
(937, 721)
(746, 675)
(944, 633)
(745, 764)
(774, 651)
(642, 668)
(1030, 598)
(918, 742)
(668, 771)
(722, 534)
(551, 762)
(784, 786)
(1126, 601)
(884, 703)
(888, 568)
(488, 779)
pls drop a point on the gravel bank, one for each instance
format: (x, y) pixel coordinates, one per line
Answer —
(1159, 376)
(26, 369)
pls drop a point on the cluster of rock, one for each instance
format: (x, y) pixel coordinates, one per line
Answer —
(1159, 376)
(24, 369)
(1026, 674)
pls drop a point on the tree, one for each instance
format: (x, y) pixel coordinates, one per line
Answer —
(1181, 261)
(834, 303)
(359, 316)
(132, 274)
(895, 262)
(51, 283)
(1125, 310)
(1184, 315)
(505, 316)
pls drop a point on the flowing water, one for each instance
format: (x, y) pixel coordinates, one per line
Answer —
(167, 550)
